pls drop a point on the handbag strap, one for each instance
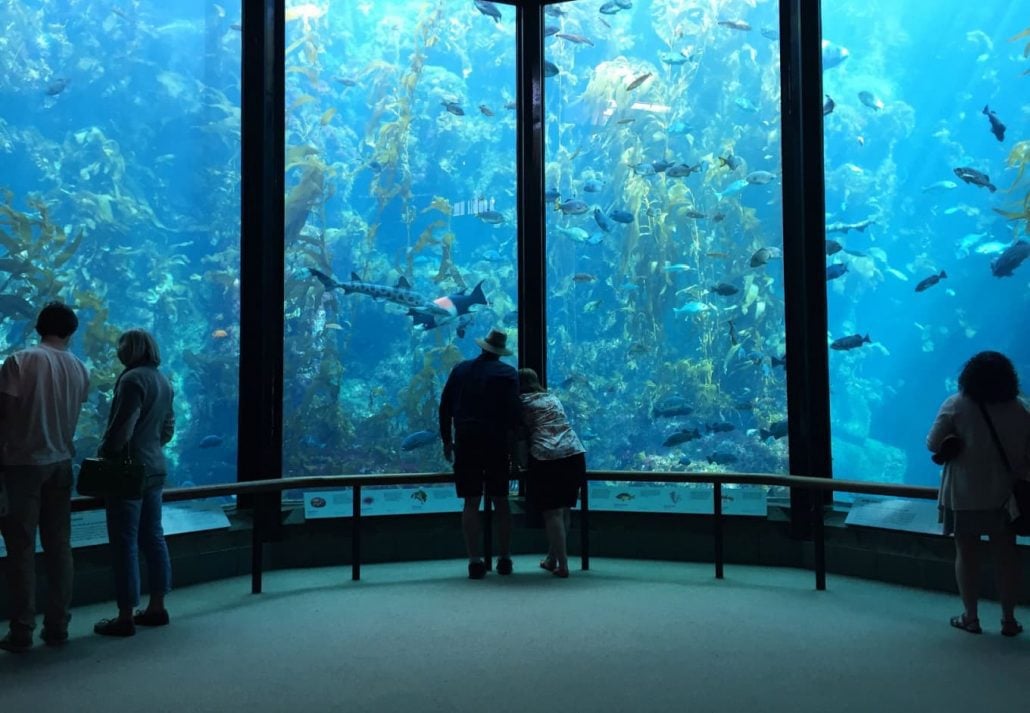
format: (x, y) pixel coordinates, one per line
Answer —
(994, 435)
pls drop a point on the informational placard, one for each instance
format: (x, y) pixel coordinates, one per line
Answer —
(385, 500)
(89, 527)
(677, 498)
(894, 514)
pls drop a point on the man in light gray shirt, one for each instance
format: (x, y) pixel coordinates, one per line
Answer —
(42, 390)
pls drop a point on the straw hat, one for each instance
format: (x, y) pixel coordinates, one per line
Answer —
(496, 342)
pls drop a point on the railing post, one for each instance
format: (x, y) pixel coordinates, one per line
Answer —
(717, 509)
(488, 535)
(819, 535)
(257, 552)
(584, 526)
(355, 535)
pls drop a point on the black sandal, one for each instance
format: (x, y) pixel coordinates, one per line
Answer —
(114, 627)
(1011, 628)
(970, 625)
(149, 618)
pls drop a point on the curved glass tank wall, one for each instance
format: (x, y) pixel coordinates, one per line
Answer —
(664, 237)
(400, 223)
(120, 143)
(913, 99)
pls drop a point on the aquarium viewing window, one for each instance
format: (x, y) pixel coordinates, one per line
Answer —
(120, 138)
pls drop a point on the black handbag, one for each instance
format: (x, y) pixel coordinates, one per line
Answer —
(1020, 487)
(112, 478)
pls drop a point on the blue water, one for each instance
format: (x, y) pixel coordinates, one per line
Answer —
(150, 118)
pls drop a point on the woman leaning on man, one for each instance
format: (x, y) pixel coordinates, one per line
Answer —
(141, 422)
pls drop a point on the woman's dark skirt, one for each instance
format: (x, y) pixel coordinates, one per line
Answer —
(554, 484)
(975, 522)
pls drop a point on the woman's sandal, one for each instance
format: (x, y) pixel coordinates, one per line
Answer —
(1011, 628)
(562, 572)
(970, 625)
(549, 565)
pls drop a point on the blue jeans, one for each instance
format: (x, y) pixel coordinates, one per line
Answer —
(134, 525)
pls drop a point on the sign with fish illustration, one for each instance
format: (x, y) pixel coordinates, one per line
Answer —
(399, 500)
(677, 498)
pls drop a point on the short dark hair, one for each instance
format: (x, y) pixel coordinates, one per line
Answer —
(989, 377)
(56, 320)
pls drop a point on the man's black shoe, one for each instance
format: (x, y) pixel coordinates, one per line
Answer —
(504, 565)
(477, 570)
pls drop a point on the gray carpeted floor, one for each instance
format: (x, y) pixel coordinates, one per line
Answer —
(626, 636)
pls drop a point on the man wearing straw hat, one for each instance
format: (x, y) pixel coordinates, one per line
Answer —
(479, 407)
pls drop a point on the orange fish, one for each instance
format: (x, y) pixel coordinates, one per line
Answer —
(219, 334)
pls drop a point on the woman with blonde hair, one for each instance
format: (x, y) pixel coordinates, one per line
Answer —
(557, 465)
(141, 422)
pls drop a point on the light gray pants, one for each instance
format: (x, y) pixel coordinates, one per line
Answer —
(38, 496)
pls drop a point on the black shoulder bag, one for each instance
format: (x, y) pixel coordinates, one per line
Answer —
(1020, 487)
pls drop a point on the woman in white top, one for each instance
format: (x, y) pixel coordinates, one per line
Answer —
(557, 465)
(977, 483)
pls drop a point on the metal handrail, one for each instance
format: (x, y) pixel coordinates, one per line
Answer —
(717, 480)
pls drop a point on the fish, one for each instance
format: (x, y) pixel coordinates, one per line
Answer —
(14, 306)
(573, 206)
(624, 4)
(971, 175)
(401, 293)
(746, 104)
(485, 110)
(14, 266)
(638, 81)
(721, 458)
(682, 170)
(997, 128)
(720, 427)
(676, 267)
(724, 288)
(994, 247)
(420, 495)
(661, 166)
(731, 162)
(625, 497)
(692, 308)
(602, 220)
(736, 25)
(488, 9)
(760, 178)
(551, 69)
(1009, 260)
(491, 217)
(609, 8)
(444, 310)
(764, 255)
(852, 341)
(583, 277)
(575, 39)
(621, 216)
(419, 439)
(833, 54)
(57, 86)
(735, 187)
(775, 361)
(695, 214)
(347, 81)
(828, 106)
(930, 281)
(681, 436)
(833, 247)
(591, 306)
(551, 30)
(327, 116)
(940, 186)
(871, 100)
(673, 58)
(644, 169)
(860, 226)
(211, 442)
(777, 430)
(453, 107)
(670, 406)
(573, 233)
(835, 270)
(552, 194)
(512, 105)
(770, 33)
(592, 185)
(219, 334)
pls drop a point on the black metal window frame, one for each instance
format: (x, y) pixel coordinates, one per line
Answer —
(262, 243)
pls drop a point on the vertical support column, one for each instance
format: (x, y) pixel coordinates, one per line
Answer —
(530, 163)
(584, 526)
(259, 454)
(804, 253)
(717, 524)
(262, 259)
(355, 535)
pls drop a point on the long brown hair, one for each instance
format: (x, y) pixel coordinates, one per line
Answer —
(529, 382)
